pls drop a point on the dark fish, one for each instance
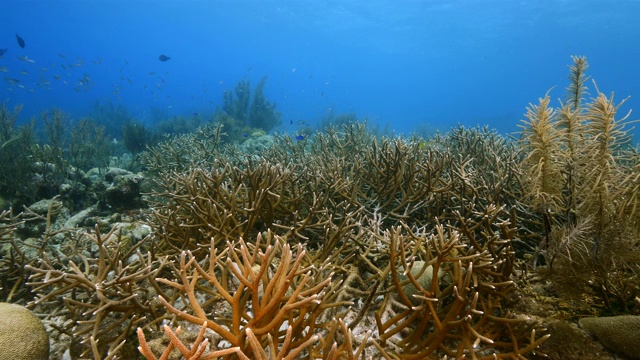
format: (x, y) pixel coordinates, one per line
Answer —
(3, 51)
(245, 135)
(300, 137)
(20, 41)
(163, 57)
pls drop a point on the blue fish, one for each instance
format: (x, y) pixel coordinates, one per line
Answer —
(245, 135)
(20, 41)
(3, 51)
(300, 137)
(163, 57)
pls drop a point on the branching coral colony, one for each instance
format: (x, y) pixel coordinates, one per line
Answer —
(347, 246)
(259, 298)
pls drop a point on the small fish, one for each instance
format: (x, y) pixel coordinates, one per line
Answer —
(3, 69)
(20, 41)
(11, 80)
(424, 144)
(300, 137)
(245, 135)
(26, 59)
(163, 57)
(24, 72)
(3, 51)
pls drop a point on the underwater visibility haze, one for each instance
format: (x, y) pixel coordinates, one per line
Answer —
(319, 180)
(405, 64)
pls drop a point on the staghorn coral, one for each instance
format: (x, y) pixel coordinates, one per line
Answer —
(459, 314)
(18, 255)
(13, 257)
(183, 152)
(271, 306)
(339, 195)
(105, 297)
(196, 351)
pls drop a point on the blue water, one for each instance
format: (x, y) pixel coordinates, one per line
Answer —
(402, 64)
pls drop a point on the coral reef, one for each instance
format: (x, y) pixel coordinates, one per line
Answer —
(342, 199)
(348, 245)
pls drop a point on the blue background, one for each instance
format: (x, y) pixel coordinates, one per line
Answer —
(399, 63)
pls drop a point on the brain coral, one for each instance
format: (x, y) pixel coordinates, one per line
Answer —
(618, 333)
(22, 335)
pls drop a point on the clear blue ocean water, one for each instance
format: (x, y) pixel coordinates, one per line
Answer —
(401, 64)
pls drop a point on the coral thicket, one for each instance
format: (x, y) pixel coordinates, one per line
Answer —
(345, 245)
